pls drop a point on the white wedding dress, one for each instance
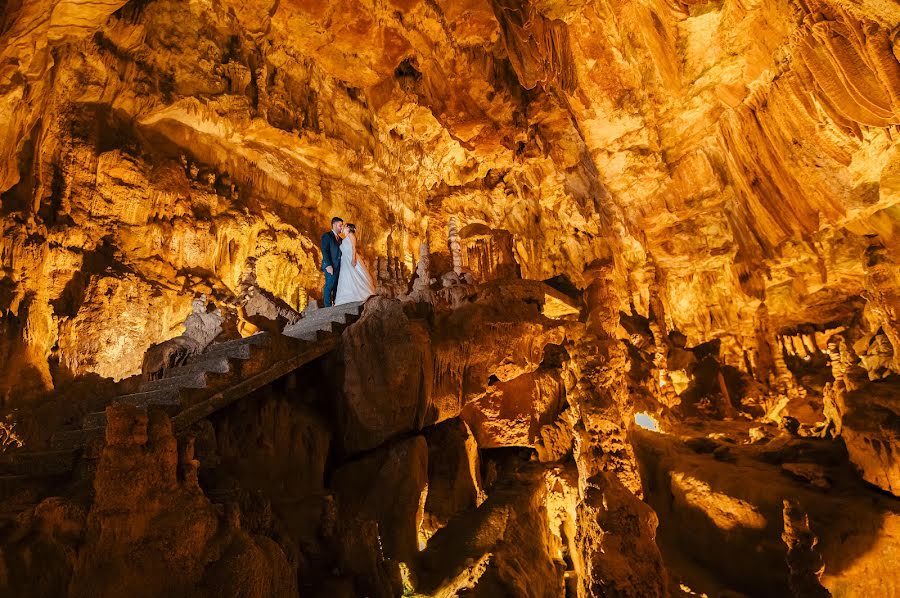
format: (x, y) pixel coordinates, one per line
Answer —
(354, 283)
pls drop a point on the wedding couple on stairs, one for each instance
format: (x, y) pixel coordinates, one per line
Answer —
(346, 277)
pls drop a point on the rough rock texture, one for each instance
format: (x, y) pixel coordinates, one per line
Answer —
(501, 549)
(151, 531)
(454, 474)
(616, 534)
(402, 373)
(739, 156)
(870, 427)
(717, 499)
(387, 360)
(141, 505)
(512, 413)
(390, 488)
(710, 190)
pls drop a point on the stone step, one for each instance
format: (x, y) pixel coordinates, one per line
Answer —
(199, 409)
(185, 380)
(323, 320)
(309, 331)
(93, 425)
(157, 396)
(235, 349)
(38, 463)
(337, 313)
(163, 396)
(217, 364)
(94, 420)
(232, 352)
(73, 439)
(308, 325)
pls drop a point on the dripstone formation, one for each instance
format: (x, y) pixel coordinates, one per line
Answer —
(635, 330)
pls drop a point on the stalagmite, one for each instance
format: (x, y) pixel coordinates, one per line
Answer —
(454, 245)
(634, 328)
(421, 290)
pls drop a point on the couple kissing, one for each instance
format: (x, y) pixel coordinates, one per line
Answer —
(346, 277)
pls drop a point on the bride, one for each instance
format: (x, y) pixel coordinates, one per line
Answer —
(354, 282)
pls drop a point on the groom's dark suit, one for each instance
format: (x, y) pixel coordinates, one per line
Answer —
(331, 256)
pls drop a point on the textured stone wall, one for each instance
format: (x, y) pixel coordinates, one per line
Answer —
(713, 188)
(743, 155)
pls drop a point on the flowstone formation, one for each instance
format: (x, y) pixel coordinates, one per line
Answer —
(584, 218)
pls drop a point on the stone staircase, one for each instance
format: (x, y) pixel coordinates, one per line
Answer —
(224, 373)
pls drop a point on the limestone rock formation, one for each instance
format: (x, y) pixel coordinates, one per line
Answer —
(870, 427)
(402, 373)
(454, 474)
(616, 535)
(735, 505)
(259, 304)
(502, 549)
(584, 218)
(151, 530)
(386, 394)
(390, 488)
(512, 413)
(200, 328)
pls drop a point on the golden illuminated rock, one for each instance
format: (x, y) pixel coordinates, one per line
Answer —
(576, 212)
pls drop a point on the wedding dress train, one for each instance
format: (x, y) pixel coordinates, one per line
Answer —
(354, 283)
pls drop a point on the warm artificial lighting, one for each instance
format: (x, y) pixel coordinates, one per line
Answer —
(8, 437)
(646, 421)
(687, 590)
(557, 305)
(406, 580)
(424, 534)
(725, 511)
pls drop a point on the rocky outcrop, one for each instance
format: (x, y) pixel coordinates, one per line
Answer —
(388, 487)
(870, 427)
(387, 375)
(512, 413)
(402, 372)
(454, 474)
(503, 548)
(616, 539)
(717, 498)
(151, 530)
(145, 499)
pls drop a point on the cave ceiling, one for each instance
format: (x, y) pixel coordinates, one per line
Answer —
(737, 158)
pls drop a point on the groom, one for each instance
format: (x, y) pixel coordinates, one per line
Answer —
(331, 260)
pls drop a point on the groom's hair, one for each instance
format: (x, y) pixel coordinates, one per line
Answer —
(336, 219)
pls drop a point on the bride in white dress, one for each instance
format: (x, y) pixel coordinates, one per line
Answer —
(354, 281)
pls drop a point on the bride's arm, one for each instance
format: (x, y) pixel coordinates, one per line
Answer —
(353, 246)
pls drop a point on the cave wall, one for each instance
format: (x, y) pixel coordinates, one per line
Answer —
(733, 161)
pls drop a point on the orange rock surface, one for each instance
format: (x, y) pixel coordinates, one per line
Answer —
(709, 190)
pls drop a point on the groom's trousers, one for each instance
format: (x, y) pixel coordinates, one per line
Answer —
(330, 289)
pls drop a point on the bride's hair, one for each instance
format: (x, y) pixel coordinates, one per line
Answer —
(351, 227)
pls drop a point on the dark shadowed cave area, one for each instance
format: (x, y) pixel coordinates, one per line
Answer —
(633, 328)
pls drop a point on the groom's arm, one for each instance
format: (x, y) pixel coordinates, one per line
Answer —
(326, 255)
